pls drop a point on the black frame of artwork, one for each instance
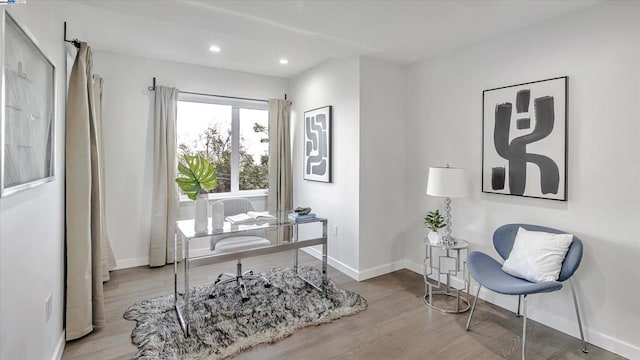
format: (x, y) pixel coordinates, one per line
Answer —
(328, 177)
(552, 145)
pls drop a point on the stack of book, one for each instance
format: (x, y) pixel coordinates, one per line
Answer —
(300, 217)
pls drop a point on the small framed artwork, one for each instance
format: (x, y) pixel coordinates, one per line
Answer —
(317, 144)
(524, 140)
(27, 110)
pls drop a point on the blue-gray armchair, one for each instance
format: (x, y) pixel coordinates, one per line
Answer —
(488, 273)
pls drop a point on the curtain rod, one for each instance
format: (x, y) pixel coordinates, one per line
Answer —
(153, 88)
(75, 42)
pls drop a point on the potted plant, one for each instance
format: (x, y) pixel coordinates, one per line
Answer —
(197, 175)
(434, 222)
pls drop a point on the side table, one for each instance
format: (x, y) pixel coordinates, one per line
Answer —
(445, 261)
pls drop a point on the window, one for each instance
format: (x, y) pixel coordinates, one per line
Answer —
(232, 134)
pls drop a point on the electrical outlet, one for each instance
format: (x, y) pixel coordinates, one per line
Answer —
(48, 304)
(334, 230)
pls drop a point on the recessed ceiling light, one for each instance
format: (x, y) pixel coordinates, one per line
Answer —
(284, 61)
(214, 48)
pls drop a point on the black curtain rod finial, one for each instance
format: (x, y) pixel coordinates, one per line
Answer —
(152, 87)
(75, 42)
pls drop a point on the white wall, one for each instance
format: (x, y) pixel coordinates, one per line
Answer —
(32, 226)
(599, 49)
(333, 83)
(382, 167)
(128, 135)
(365, 199)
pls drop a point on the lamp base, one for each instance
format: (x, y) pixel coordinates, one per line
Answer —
(447, 239)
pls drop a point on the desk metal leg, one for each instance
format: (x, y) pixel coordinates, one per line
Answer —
(295, 252)
(175, 270)
(325, 249)
(182, 312)
(458, 290)
(186, 288)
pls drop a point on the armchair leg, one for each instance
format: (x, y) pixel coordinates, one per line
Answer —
(575, 303)
(524, 327)
(518, 310)
(473, 307)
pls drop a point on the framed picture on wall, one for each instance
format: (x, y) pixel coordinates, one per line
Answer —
(317, 144)
(524, 140)
(27, 110)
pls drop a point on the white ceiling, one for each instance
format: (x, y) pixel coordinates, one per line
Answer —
(254, 35)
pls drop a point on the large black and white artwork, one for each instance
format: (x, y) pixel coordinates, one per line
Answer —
(317, 144)
(524, 139)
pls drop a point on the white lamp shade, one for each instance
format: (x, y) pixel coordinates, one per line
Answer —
(446, 182)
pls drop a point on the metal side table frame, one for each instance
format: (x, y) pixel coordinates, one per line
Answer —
(433, 273)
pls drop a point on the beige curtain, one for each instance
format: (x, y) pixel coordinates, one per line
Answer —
(165, 204)
(86, 239)
(108, 261)
(280, 180)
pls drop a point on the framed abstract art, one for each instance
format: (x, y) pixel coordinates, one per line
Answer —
(317, 144)
(524, 140)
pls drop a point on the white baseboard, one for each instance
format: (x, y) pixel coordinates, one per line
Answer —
(132, 262)
(614, 345)
(413, 266)
(353, 273)
(381, 270)
(144, 261)
(564, 325)
(340, 266)
(57, 354)
(201, 251)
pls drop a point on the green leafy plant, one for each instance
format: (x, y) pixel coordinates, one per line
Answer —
(434, 220)
(198, 175)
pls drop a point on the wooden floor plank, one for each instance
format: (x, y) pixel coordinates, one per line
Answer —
(397, 324)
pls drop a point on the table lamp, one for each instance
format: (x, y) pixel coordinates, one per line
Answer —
(447, 182)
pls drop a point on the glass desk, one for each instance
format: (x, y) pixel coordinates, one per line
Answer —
(185, 232)
(446, 261)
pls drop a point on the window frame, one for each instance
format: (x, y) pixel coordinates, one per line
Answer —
(236, 104)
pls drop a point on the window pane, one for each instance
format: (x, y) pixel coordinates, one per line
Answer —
(205, 129)
(254, 149)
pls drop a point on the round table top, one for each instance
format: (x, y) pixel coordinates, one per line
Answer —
(457, 245)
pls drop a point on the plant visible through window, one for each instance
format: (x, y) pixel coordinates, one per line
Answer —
(206, 129)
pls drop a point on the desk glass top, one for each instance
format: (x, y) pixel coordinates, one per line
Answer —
(187, 227)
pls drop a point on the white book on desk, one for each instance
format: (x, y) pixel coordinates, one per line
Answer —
(249, 217)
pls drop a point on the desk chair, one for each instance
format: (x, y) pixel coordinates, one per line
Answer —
(488, 273)
(221, 244)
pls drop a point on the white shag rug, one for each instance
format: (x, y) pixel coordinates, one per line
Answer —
(222, 324)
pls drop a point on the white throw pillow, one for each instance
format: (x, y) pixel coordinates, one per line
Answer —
(537, 256)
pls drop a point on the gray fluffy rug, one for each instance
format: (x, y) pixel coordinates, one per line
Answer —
(223, 325)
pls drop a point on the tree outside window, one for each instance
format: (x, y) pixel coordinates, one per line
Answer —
(215, 128)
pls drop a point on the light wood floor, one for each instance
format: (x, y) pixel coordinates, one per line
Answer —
(397, 325)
